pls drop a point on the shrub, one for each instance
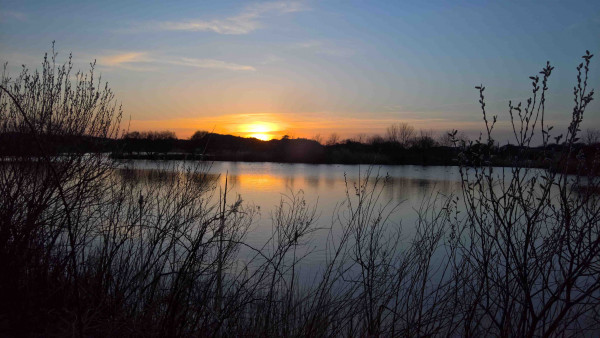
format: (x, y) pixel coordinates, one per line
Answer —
(530, 239)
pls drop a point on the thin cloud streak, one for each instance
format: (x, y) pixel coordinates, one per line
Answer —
(322, 47)
(12, 15)
(127, 60)
(210, 64)
(245, 22)
(233, 26)
(122, 58)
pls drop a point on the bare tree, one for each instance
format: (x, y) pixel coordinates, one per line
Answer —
(424, 140)
(392, 133)
(530, 238)
(401, 133)
(54, 124)
(376, 139)
(360, 138)
(318, 138)
(333, 139)
(199, 135)
(445, 138)
(592, 136)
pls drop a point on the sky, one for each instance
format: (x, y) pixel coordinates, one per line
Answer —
(302, 68)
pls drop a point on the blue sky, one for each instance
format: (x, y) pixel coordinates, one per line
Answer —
(313, 67)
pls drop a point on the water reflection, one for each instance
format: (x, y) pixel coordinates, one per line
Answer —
(402, 188)
(257, 182)
(156, 176)
(263, 183)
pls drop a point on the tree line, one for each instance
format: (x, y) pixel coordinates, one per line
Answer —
(402, 144)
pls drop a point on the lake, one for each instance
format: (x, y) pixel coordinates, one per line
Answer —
(265, 184)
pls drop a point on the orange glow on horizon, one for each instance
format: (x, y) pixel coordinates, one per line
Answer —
(263, 137)
(260, 130)
(268, 126)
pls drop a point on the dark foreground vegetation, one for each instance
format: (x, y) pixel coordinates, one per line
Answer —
(89, 250)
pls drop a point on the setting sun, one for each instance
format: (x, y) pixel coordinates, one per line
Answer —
(260, 130)
(263, 137)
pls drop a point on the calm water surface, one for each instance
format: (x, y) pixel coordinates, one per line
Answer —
(265, 184)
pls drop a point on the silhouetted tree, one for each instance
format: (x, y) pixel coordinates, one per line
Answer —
(318, 138)
(592, 136)
(424, 140)
(333, 139)
(199, 135)
(401, 133)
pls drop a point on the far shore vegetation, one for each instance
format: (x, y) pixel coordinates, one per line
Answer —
(401, 145)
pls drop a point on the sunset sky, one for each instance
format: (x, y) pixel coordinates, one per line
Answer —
(303, 68)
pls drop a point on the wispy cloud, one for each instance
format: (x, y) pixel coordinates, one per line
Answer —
(269, 59)
(582, 24)
(234, 25)
(124, 58)
(12, 15)
(210, 64)
(244, 22)
(322, 47)
(17, 58)
(310, 44)
(132, 60)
